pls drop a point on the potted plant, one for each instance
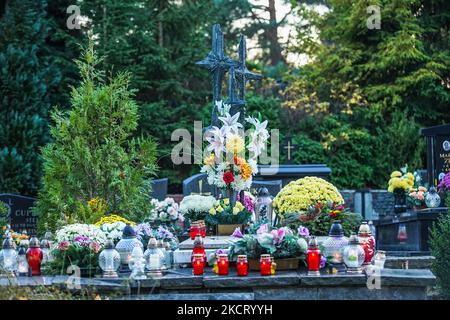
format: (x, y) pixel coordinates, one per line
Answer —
(77, 246)
(226, 217)
(286, 247)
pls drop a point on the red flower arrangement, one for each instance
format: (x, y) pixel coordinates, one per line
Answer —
(228, 177)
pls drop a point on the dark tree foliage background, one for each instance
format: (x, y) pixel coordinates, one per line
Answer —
(356, 105)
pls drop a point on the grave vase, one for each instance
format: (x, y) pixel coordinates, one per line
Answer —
(400, 202)
(230, 194)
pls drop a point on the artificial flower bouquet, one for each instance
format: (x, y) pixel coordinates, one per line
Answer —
(320, 216)
(401, 182)
(145, 231)
(281, 242)
(77, 246)
(416, 196)
(223, 212)
(196, 207)
(165, 212)
(227, 166)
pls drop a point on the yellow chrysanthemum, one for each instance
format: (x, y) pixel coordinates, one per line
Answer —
(112, 219)
(235, 144)
(298, 195)
(396, 174)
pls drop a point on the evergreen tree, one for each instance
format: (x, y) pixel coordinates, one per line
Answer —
(26, 79)
(93, 156)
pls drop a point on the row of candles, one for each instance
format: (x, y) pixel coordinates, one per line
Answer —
(346, 255)
(27, 260)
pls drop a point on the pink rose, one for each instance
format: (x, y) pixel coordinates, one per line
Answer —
(420, 195)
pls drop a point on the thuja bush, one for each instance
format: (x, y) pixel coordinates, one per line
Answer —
(440, 242)
(94, 156)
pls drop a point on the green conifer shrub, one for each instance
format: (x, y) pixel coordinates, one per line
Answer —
(94, 155)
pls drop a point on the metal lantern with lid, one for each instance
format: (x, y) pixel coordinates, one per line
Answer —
(263, 207)
(334, 246)
(35, 256)
(126, 245)
(354, 255)
(137, 264)
(109, 260)
(154, 258)
(432, 199)
(367, 241)
(379, 259)
(8, 258)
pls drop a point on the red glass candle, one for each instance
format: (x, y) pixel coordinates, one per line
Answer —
(203, 230)
(222, 264)
(199, 248)
(34, 257)
(194, 230)
(198, 265)
(242, 265)
(265, 264)
(313, 260)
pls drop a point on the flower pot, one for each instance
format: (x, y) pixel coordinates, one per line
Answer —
(227, 229)
(282, 264)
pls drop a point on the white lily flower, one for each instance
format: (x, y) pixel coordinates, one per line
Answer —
(222, 108)
(217, 140)
(230, 123)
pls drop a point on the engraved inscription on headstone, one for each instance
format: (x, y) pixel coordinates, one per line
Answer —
(20, 214)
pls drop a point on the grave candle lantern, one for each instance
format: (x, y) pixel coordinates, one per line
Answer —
(367, 241)
(432, 199)
(313, 257)
(334, 245)
(354, 255)
(109, 260)
(194, 230)
(265, 264)
(8, 258)
(222, 264)
(199, 248)
(22, 268)
(35, 257)
(242, 265)
(154, 258)
(198, 264)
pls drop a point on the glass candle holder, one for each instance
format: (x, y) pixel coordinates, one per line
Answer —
(313, 257)
(354, 255)
(195, 230)
(242, 265)
(402, 236)
(198, 264)
(34, 257)
(265, 264)
(222, 264)
(199, 248)
(202, 229)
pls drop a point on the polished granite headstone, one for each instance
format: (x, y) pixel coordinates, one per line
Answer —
(20, 214)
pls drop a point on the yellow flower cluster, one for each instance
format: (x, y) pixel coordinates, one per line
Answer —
(218, 208)
(401, 182)
(112, 219)
(298, 195)
(235, 144)
(98, 205)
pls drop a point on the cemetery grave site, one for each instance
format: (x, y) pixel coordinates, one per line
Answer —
(224, 150)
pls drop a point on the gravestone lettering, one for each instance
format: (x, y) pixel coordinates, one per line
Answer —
(438, 152)
(20, 214)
